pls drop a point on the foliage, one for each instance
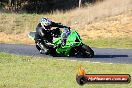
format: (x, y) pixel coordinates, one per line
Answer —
(39, 6)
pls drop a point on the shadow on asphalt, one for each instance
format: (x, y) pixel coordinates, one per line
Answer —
(96, 56)
(109, 56)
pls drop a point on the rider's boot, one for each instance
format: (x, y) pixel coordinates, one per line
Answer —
(41, 51)
(44, 49)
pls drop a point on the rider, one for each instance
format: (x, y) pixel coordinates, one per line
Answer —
(43, 34)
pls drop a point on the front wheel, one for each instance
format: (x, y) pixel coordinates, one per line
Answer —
(87, 51)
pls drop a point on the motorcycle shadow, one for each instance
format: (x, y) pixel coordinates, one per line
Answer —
(109, 56)
(95, 56)
(76, 56)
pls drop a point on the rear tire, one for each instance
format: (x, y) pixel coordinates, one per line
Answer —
(53, 52)
(87, 51)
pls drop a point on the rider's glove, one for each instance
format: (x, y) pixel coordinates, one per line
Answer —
(57, 46)
(67, 29)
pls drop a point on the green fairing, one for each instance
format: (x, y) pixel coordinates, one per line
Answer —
(71, 41)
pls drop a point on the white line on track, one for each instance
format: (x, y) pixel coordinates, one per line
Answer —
(88, 61)
(95, 62)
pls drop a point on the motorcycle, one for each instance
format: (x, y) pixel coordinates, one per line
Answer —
(73, 46)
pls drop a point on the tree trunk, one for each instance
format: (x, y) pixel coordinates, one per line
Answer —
(9, 2)
(80, 2)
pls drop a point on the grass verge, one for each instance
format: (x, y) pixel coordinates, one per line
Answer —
(27, 72)
(125, 42)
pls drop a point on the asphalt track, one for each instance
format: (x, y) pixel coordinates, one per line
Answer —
(103, 55)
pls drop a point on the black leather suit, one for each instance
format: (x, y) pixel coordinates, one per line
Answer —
(44, 35)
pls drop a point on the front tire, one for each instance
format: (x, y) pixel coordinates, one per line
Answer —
(87, 51)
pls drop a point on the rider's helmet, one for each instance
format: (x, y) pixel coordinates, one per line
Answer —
(45, 23)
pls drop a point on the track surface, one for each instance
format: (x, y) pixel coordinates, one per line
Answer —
(105, 55)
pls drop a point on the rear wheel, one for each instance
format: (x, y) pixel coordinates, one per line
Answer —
(52, 52)
(87, 51)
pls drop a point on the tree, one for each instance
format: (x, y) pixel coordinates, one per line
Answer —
(15, 5)
(80, 2)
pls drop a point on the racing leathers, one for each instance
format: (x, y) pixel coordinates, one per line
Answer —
(44, 36)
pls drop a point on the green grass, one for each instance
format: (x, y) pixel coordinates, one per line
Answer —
(125, 42)
(32, 72)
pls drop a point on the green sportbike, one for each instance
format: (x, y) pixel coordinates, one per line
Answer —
(73, 46)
